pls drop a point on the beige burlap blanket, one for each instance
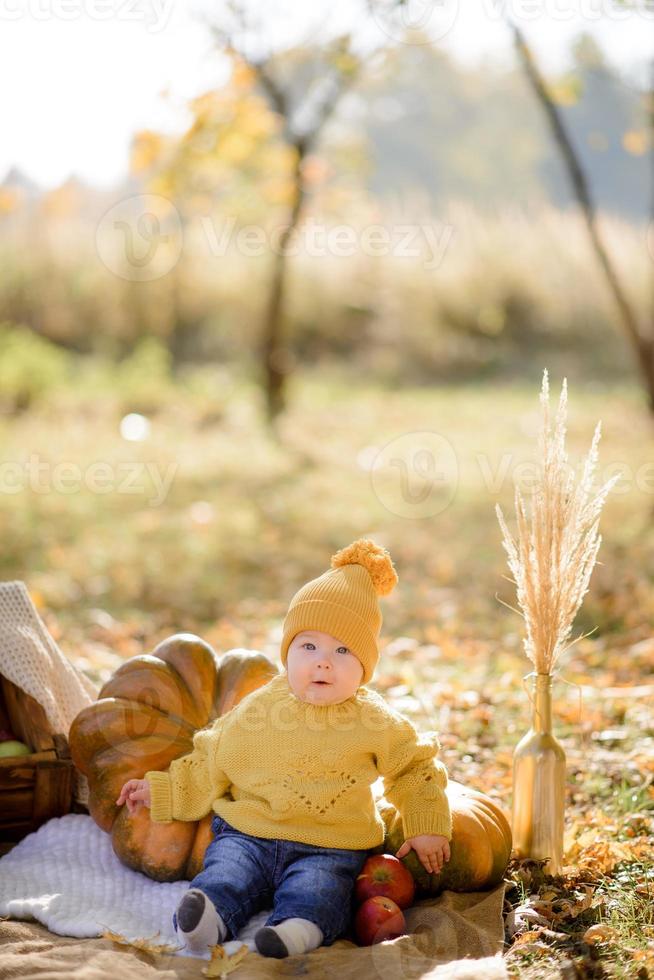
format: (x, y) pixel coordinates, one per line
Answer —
(454, 935)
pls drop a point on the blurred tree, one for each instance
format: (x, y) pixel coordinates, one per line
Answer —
(451, 131)
(256, 138)
(606, 121)
(303, 86)
(228, 151)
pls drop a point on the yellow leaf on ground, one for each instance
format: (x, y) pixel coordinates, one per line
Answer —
(527, 937)
(221, 964)
(144, 945)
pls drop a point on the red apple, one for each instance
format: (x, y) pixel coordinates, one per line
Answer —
(379, 918)
(384, 874)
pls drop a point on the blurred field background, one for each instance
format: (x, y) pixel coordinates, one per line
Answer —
(210, 519)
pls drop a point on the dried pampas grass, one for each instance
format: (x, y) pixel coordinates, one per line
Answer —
(553, 557)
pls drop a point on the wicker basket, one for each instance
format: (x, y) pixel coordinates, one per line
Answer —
(36, 787)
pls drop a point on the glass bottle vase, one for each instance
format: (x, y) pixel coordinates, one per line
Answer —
(539, 773)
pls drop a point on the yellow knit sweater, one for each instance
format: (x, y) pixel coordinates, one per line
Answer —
(276, 766)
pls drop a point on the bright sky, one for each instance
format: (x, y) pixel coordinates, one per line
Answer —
(80, 76)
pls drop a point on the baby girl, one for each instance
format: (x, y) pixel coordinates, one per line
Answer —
(288, 774)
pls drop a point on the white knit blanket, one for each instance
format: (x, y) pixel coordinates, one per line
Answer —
(66, 876)
(31, 659)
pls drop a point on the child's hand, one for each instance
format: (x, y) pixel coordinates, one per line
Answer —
(432, 849)
(136, 793)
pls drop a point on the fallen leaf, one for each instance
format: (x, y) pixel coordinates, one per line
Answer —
(600, 933)
(527, 937)
(144, 945)
(521, 918)
(221, 963)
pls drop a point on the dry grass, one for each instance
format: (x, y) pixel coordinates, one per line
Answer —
(456, 292)
(554, 555)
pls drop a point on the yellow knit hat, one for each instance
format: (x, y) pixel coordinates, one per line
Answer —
(343, 602)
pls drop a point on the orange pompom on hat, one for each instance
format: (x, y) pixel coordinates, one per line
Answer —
(344, 602)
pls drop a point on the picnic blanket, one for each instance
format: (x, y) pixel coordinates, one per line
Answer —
(66, 876)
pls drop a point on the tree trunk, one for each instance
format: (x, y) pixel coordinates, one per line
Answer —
(275, 355)
(642, 346)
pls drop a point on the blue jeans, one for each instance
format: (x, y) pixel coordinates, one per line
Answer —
(243, 874)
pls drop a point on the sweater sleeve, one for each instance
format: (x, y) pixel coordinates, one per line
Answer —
(186, 790)
(414, 779)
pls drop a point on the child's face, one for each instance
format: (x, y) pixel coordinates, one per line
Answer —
(314, 656)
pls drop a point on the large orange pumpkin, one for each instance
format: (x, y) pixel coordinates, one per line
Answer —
(479, 850)
(146, 715)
